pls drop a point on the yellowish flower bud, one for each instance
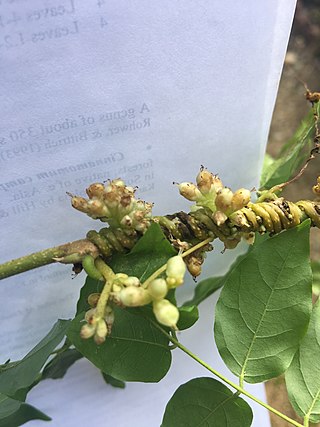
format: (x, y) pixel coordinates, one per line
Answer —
(93, 299)
(223, 199)
(207, 182)
(87, 331)
(133, 296)
(249, 238)
(95, 190)
(158, 288)
(131, 281)
(109, 318)
(204, 181)
(166, 313)
(239, 219)
(175, 271)
(194, 265)
(189, 191)
(90, 316)
(219, 218)
(240, 199)
(79, 203)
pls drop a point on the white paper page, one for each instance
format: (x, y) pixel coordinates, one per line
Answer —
(142, 90)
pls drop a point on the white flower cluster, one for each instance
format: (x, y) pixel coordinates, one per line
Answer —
(115, 204)
(211, 193)
(128, 291)
(97, 327)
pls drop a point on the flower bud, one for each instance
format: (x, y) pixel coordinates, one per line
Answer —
(131, 281)
(223, 199)
(204, 181)
(133, 296)
(126, 221)
(249, 238)
(239, 219)
(158, 288)
(316, 188)
(189, 191)
(95, 190)
(207, 182)
(90, 316)
(87, 331)
(231, 243)
(109, 318)
(166, 313)
(79, 203)
(97, 209)
(240, 199)
(112, 185)
(219, 218)
(101, 332)
(194, 265)
(93, 299)
(175, 271)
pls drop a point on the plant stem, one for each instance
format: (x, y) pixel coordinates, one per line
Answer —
(108, 275)
(72, 253)
(239, 389)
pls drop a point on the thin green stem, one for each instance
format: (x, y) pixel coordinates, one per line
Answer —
(109, 276)
(239, 389)
(72, 253)
(306, 421)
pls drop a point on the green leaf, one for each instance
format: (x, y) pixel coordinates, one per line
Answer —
(113, 381)
(14, 413)
(135, 350)
(303, 375)
(292, 156)
(205, 288)
(23, 373)
(58, 366)
(264, 307)
(268, 162)
(206, 402)
(315, 265)
(188, 317)
(150, 253)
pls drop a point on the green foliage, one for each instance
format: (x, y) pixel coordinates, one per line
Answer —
(205, 288)
(189, 314)
(113, 381)
(23, 373)
(315, 265)
(292, 156)
(206, 402)
(129, 354)
(58, 366)
(261, 320)
(303, 375)
(17, 378)
(265, 306)
(14, 413)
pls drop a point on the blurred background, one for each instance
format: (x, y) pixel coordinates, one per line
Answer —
(302, 63)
